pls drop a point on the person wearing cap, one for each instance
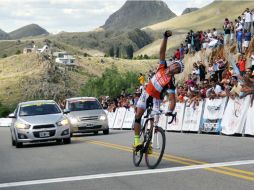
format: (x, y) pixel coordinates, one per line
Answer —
(161, 83)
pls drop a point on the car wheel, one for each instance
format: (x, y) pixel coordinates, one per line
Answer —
(105, 132)
(13, 142)
(67, 141)
(95, 132)
(19, 144)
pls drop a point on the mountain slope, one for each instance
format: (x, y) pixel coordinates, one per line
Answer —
(208, 17)
(29, 30)
(4, 35)
(189, 10)
(137, 14)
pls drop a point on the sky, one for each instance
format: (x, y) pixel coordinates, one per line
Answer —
(70, 15)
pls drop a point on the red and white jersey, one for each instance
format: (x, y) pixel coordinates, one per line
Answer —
(159, 82)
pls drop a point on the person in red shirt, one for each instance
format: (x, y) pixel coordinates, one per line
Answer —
(177, 54)
(163, 81)
(242, 65)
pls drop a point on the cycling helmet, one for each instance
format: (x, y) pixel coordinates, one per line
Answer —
(180, 63)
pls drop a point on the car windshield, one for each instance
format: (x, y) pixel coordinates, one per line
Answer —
(39, 109)
(84, 105)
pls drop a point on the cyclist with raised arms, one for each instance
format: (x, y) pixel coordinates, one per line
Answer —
(163, 81)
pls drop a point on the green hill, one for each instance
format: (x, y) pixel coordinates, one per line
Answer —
(26, 31)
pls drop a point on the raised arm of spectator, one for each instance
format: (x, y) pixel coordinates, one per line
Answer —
(163, 47)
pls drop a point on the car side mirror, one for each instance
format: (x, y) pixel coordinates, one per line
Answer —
(66, 111)
(12, 115)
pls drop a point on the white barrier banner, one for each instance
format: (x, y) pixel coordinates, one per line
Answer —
(177, 124)
(5, 122)
(120, 114)
(129, 119)
(235, 116)
(213, 113)
(214, 109)
(111, 118)
(249, 127)
(192, 117)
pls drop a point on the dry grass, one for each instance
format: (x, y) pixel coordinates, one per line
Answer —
(15, 71)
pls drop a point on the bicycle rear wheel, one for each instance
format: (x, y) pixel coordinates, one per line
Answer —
(154, 157)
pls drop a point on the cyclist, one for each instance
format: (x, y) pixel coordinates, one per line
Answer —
(163, 81)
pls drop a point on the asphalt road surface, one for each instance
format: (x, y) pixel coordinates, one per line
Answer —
(92, 162)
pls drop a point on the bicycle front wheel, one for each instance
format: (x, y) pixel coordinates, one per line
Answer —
(156, 147)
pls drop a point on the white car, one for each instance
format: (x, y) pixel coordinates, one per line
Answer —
(39, 121)
(86, 115)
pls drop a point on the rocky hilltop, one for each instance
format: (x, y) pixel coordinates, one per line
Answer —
(138, 14)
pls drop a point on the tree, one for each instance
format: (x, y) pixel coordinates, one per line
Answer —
(4, 55)
(111, 52)
(146, 56)
(129, 51)
(118, 52)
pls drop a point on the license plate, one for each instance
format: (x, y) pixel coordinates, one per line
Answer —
(44, 134)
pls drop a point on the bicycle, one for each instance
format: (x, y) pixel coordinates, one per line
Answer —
(152, 137)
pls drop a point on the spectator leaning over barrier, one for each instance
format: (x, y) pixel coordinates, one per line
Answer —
(215, 91)
(247, 39)
(235, 91)
(161, 82)
(240, 40)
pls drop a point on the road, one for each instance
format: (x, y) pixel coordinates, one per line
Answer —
(91, 162)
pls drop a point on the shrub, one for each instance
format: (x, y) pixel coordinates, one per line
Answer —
(110, 83)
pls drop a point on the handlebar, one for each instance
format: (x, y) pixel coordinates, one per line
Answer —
(152, 113)
(173, 117)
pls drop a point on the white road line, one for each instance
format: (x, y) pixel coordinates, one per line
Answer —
(122, 174)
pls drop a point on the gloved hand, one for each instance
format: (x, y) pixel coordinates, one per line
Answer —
(169, 113)
(167, 34)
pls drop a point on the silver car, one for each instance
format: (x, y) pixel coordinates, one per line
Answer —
(86, 115)
(38, 121)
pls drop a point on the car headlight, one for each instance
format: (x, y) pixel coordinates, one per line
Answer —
(102, 118)
(22, 126)
(63, 122)
(73, 120)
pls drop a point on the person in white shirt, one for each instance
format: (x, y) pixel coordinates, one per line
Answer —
(215, 32)
(248, 19)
